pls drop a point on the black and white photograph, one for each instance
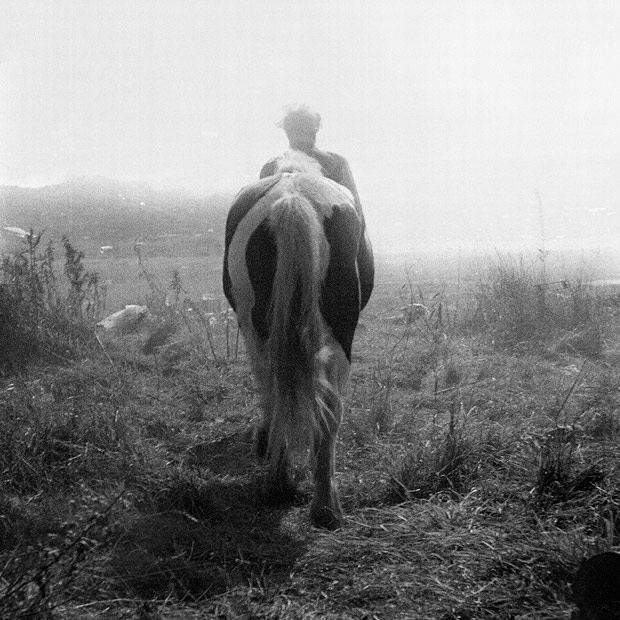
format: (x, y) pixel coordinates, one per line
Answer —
(310, 309)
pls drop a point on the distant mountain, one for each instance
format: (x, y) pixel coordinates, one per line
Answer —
(96, 213)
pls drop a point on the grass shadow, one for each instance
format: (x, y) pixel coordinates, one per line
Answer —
(231, 455)
(203, 536)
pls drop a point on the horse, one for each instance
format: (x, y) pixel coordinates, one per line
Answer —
(298, 269)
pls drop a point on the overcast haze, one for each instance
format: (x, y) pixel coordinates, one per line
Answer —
(467, 103)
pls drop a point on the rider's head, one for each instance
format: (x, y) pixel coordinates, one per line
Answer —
(301, 124)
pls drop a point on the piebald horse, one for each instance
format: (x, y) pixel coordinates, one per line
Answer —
(298, 269)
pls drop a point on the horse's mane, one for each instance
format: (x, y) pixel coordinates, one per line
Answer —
(297, 161)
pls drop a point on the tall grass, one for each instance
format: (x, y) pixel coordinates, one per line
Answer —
(44, 313)
(84, 417)
(448, 463)
(211, 331)
(128, 484)
(516, 305)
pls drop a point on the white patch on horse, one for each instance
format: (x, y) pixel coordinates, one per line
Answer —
(297, 161)
(324, 203)
(237, 266)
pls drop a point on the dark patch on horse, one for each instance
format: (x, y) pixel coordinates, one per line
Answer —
(340, 295)
(261, 256)
(244, 201)
(366, 270)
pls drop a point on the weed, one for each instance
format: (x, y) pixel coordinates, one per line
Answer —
(445, 463)
(38, 578)
(431, 316)
(59, 430)
(175, 312)
(40, 315)
(517, 306)
(380, 407)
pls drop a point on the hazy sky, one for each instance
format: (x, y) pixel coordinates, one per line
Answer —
(459, 101)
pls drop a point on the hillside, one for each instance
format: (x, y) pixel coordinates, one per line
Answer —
(97, 212)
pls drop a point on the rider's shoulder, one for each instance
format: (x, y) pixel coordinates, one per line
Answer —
(268, 169)
(334, 159)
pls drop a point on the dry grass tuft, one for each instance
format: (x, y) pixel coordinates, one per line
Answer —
(519, 305)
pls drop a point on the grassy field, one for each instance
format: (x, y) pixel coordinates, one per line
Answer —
(477, 461)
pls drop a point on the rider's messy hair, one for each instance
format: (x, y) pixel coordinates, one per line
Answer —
(300, 118)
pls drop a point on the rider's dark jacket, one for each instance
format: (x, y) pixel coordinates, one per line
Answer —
(336, 168)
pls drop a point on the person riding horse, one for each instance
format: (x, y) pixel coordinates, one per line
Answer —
(301, 125)
(298, 270)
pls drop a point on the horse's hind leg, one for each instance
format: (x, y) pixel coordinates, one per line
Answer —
(262, 432)
(261, 372)
(326, 510)
(280, 487)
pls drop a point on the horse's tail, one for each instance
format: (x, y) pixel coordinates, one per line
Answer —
(295, 324)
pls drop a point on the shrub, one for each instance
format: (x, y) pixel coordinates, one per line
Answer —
(41, 313)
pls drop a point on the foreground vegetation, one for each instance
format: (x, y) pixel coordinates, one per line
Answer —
(478, 458)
